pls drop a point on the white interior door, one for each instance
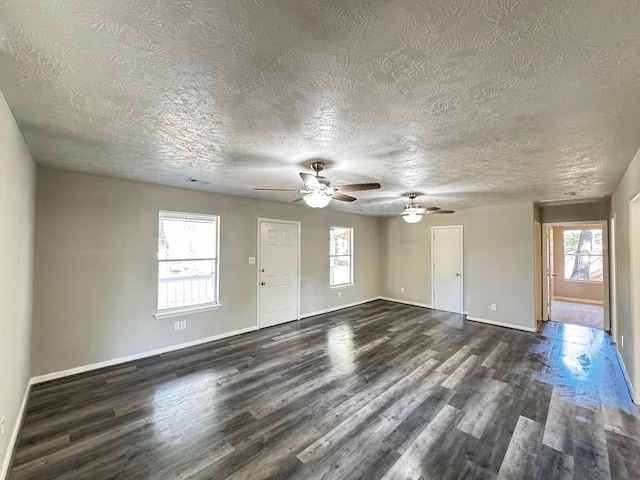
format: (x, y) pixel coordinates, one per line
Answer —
(278, 272)
(447, 268)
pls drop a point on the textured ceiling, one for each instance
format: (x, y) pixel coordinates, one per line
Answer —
(467, 102)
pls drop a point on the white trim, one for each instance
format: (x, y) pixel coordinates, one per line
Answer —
(176, 312)
(406, 302)
(137, 356)
(258, 260)
(11, 445)
(502, 324)
(340, 307)
(461, 231)
(626, 378)
(344, 285)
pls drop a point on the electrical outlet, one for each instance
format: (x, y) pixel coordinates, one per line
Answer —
(339, 294)
(2, 427)
(176, 325)
(622, 340)
(493, 307)
(401, 289)
(183, 324)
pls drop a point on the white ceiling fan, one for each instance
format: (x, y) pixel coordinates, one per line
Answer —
(413, 212)
(318, 191)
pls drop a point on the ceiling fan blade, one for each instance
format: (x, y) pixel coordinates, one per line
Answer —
(433, 209)
(299, 199)
(276, 189)
(309, 180)
(354, 187)
(342, 197)
(435, 212)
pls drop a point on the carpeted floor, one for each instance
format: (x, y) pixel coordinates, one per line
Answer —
(577, 313)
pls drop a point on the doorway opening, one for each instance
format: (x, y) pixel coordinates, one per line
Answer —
(576, 271)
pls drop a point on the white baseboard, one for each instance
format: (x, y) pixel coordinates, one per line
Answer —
(340, 307)
(6, 462)
(406, 302)
(109, 363)
(502, 324)
(578, 300)
(626, 377)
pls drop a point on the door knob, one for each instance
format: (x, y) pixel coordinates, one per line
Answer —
(262, 283)
(457, 274)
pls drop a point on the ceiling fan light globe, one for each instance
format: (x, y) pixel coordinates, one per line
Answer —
(412, 217)
(316, 200)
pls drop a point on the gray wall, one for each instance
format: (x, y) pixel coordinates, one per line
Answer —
(498, 261)
(17, 198)
(576, 212)
(627, 189)
(96, 266)
(408, 256)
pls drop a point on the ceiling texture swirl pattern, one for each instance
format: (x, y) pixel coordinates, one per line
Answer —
(467, 102)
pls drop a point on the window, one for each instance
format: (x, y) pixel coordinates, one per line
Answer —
(583, 255)
(341, 257)
(187, 261)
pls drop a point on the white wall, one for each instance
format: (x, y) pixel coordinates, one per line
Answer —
(626, 190)
(96, 266)
(17, 198)
(498, 261)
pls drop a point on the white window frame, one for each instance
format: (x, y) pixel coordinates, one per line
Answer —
(565, 255)
(198, 307)
(351, 257)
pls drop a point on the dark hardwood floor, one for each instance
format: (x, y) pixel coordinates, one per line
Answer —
(381, 390)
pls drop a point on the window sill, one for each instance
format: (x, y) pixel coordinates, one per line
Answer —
(340, 287)
(175, 312)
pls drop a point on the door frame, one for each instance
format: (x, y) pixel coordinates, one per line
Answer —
(538, 287)
(634, 271)
(461, 234)
(613, 282)
(606, 278)
(258, 263)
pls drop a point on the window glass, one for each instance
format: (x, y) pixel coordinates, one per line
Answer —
(340, 256)
(583, 255)
(187, 260)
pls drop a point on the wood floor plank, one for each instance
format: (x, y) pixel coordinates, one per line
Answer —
(522, 454)
(381, 390)
(411, 462)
